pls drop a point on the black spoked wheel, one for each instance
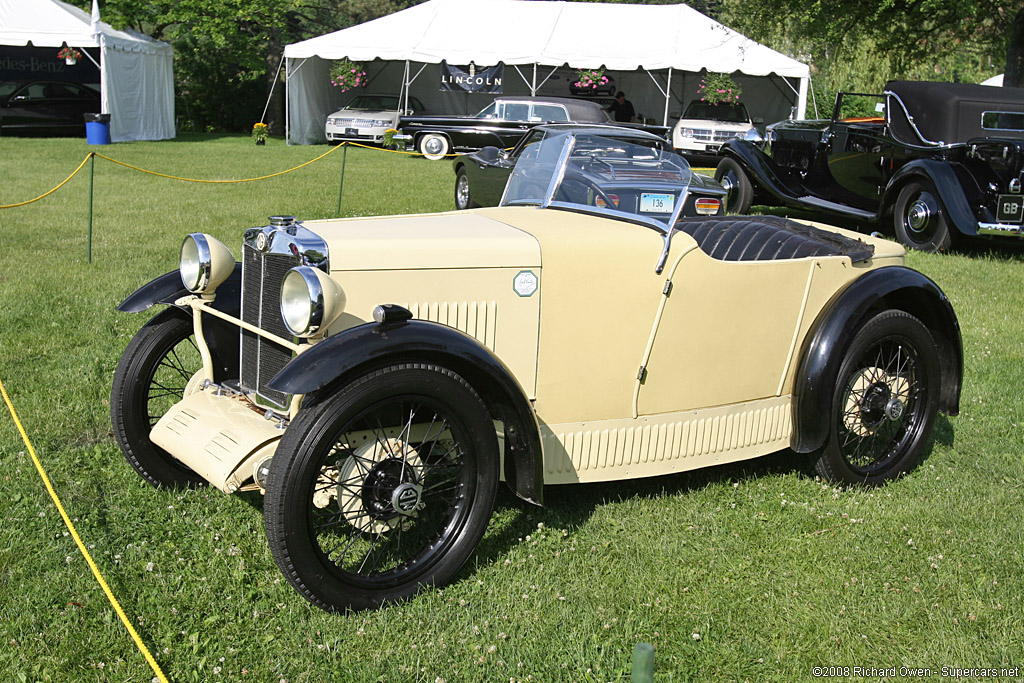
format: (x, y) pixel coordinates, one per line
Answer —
(463, 198)
(382, 488)
(884, 403)
(919, 219)
(152, 375)
(740, 193)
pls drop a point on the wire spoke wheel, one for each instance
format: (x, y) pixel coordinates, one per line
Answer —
(382, 488)
(157, 369)
(885, 401)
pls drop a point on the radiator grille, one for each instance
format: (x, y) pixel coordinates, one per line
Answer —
(261, 306)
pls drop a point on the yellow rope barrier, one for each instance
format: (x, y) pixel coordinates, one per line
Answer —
(200, 180)
(42, 196)
(78, 541)
(222, 182)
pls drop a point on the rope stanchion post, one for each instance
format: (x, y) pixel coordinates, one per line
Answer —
(92, 169)
(341, 183)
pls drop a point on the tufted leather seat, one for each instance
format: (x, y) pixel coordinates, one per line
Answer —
(767, 238)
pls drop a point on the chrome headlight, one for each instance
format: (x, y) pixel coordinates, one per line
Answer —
(205, 263)
(310, 301)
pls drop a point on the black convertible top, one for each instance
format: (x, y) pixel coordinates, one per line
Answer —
(951, 112)
(768, 238)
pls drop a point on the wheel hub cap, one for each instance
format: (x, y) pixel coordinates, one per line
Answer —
(918, 215)
(894, 409)
(406, 499)
(433, 145)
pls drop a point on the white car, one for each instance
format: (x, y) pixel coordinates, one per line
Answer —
(365, 118)
(705, 126)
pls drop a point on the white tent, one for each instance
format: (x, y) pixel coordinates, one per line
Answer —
(136, 73)
(641, 43)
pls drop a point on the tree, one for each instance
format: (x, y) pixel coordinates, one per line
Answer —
(228, 52)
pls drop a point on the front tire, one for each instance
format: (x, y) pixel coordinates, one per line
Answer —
(919, 219)
(463, 197)
(152, 375)
(383, 488)
(884, 402)
(433, 146)
(737, 185)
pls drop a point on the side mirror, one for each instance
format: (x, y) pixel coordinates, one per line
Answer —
(489, 153)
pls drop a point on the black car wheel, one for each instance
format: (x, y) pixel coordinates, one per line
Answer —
(737, 185)
(919, 218)
(433, 146)
(152, 376)
(463, 198)
(382, 488)
(884, 402)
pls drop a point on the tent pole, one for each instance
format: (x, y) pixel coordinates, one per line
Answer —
(533, 86)
(287, 99)
(668, 96)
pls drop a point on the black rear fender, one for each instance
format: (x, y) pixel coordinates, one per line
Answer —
(892, 287)
(949, 191)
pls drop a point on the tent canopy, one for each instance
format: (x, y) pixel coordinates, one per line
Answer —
(135, 72)
(580, 34)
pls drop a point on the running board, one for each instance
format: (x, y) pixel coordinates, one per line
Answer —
(820, 203)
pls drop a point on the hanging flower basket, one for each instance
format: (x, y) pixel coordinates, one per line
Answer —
(70, 55)
(715, 88)
(347, 75)
(590, 78)
(259, 133)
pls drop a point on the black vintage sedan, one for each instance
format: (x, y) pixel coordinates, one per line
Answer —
(499, 124)
(45, 107)
(933, 160)
(481, 177)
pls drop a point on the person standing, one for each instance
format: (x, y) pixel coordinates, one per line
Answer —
(622, 109)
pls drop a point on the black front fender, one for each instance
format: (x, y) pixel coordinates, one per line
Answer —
(352, 352)
(948, 189)
(221, 336)
(761, 170)
(892, 287)
(168, 288)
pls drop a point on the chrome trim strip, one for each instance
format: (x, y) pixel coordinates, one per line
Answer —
(1002, 229)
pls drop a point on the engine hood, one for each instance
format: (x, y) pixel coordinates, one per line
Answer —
(426, 241)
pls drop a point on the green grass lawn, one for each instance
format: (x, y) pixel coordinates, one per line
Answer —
(750, 572)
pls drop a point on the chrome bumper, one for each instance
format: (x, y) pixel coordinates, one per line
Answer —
(1001, 229)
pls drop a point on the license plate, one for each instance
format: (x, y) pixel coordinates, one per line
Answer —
(656, 203)
(351, 131)
(712, 148)
(1010, 208)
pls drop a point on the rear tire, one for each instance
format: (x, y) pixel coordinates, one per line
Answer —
(737, 185)
(884, 402)
(382, 488)
(919, 218)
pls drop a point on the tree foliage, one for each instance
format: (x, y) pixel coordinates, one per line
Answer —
(227, 52)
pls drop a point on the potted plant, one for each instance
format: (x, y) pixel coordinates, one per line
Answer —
(69, 54)
(590, 78)
(716, 87)
(347, 75)
(259, 133)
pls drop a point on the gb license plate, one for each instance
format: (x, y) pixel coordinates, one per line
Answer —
(351, 131)
(1010, 208)
(656, 203)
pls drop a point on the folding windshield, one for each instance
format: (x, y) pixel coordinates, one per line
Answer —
(602, 175)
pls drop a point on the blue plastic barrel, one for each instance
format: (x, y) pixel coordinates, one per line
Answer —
(97, 129)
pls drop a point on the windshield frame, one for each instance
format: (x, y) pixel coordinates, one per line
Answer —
(557, 176)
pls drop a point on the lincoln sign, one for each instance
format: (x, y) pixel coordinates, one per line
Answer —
(472, 78)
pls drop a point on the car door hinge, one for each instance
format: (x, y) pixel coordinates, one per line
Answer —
(643, 371)
(668, 288)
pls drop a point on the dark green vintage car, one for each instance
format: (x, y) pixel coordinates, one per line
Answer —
(480, 177)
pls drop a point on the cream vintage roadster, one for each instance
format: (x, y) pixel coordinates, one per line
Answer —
(376, 378)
